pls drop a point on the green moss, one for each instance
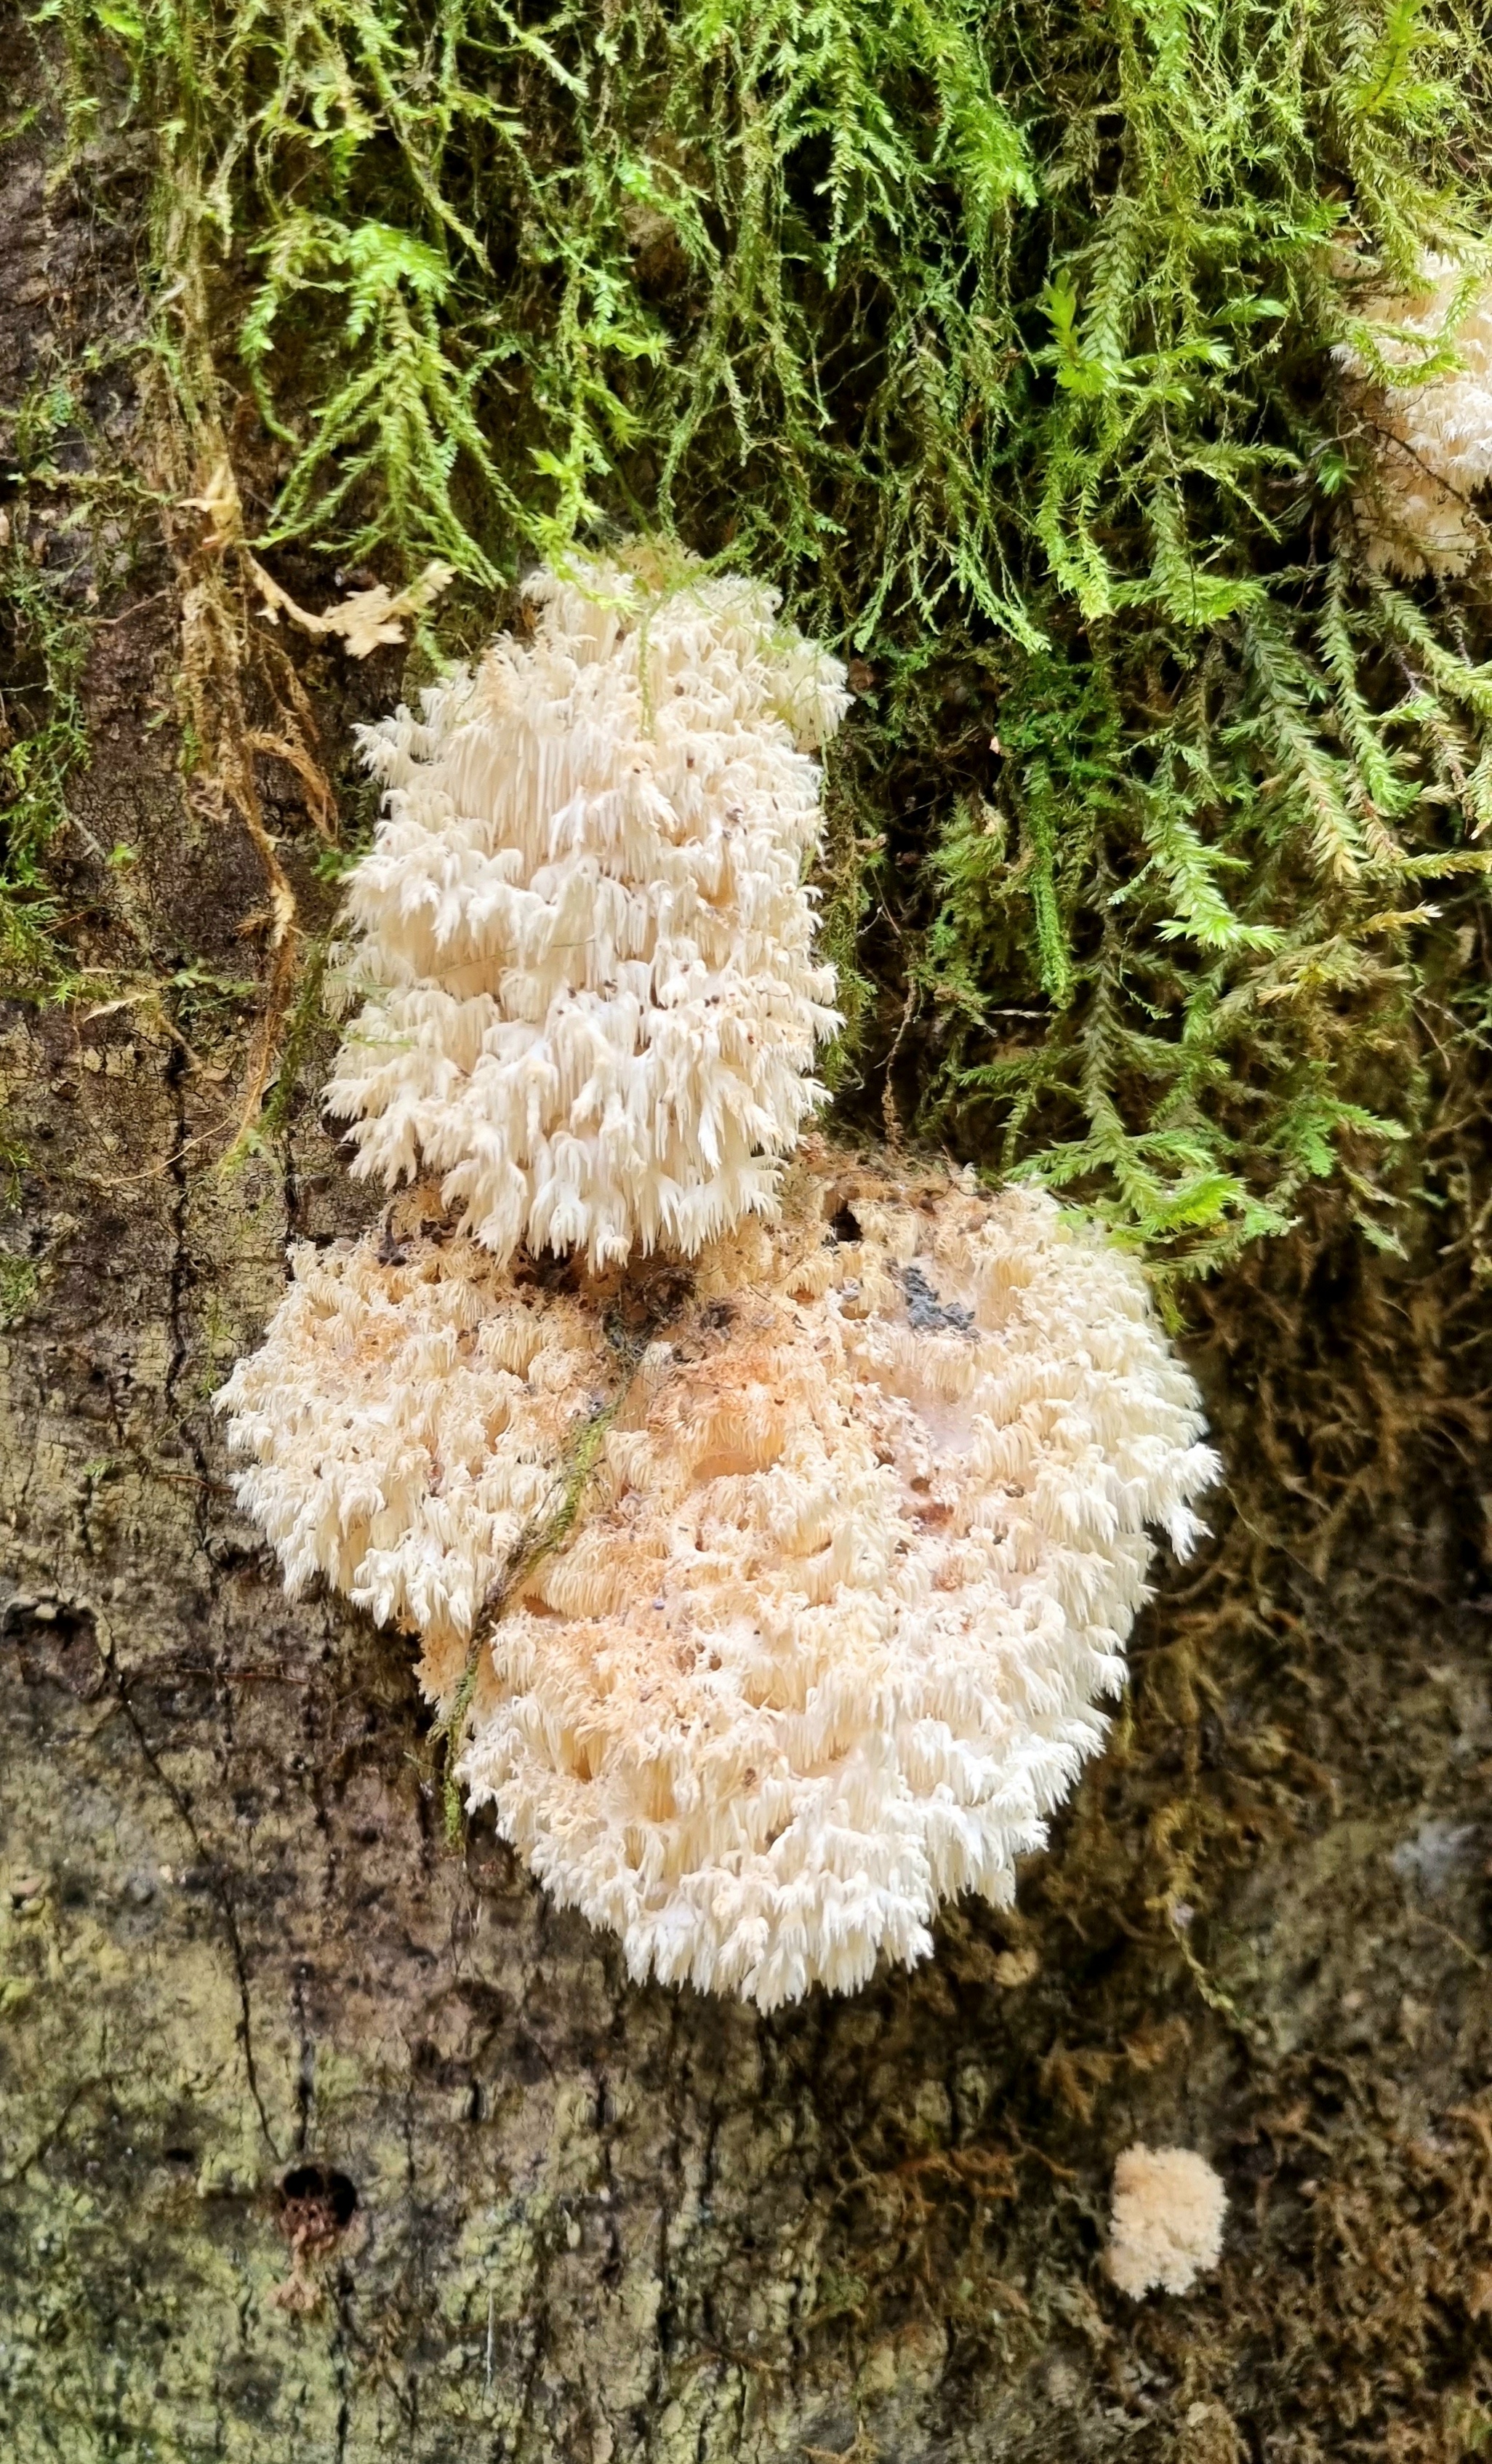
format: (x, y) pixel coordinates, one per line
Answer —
(1000, 338)
(68, 533)
(19, 1278)
(43, 740)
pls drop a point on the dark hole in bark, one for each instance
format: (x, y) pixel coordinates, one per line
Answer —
(58, 1643)
(317, 2204)
(845, 1224)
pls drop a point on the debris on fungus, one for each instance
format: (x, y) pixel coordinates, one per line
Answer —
(1166, 2225)
(582, 938)
(365, 620)
(864, 1536)
(1432, 436)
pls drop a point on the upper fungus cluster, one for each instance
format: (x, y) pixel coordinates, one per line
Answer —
(773, 1591)
(582, 937)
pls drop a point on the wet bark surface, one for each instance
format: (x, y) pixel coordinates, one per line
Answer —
(320, 2139)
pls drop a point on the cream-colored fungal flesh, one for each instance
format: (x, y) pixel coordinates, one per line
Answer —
(581, 941)
(851, 1578)
(406, 1414)
(1432, 440)
(1168, 2207)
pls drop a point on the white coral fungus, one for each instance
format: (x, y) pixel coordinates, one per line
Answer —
(1431, 437)
(1167, 2222)
(854, 1567)
(592, 1002)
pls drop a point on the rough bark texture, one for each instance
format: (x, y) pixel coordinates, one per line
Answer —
(320, 2140)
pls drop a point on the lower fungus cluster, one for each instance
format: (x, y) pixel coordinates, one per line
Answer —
(794, 1582)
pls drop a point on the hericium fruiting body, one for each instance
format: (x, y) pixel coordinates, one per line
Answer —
(772, 1549)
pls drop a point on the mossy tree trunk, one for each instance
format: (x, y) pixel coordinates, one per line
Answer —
(320, 2140)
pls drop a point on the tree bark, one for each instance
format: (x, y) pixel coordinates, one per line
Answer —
(320, 2140)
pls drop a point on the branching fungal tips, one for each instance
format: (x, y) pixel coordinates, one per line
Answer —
(771, 1560)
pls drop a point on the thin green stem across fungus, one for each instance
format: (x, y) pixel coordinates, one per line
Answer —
(544, 1533)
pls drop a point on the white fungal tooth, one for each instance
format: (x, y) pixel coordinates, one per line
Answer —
(583, 930)
(826, 1644)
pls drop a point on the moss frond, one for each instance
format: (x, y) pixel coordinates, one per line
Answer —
(1000, 340)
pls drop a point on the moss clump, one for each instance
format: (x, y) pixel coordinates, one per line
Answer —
(43, 733)
(1000, 338)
